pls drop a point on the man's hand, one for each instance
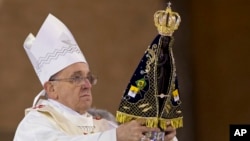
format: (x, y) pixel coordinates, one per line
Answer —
(170, 133)
(131, 131)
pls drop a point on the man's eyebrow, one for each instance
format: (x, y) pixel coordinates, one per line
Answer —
(79, 73)
(76, 73)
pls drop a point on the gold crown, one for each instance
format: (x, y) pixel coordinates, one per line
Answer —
(167, 21)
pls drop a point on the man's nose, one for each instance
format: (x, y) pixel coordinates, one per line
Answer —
(86, 83)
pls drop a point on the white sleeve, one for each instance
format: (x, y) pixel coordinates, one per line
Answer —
(36, 127)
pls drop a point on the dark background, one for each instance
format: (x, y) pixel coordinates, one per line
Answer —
(211, 51)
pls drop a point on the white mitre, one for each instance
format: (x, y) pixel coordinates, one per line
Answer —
(53, 49)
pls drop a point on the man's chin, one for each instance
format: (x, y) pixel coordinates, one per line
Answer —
(87, 103)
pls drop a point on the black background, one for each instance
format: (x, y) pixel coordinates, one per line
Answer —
(245, 137)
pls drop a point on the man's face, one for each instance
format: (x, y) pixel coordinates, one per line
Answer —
(77, 97)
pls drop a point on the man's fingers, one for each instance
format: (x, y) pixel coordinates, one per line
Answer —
(170, 133)
(155, 129)
(141, 121)
(169, 129)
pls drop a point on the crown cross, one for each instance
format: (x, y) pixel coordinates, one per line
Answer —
(167, 21)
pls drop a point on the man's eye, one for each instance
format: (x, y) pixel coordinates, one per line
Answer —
(77, 78)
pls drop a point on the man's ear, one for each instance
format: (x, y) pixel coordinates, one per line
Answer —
(50, 90)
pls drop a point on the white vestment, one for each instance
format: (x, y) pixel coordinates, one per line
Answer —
(52, 121)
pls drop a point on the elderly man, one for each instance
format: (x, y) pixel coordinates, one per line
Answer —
(59, 111)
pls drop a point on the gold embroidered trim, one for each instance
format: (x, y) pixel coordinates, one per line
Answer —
(150, 121)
